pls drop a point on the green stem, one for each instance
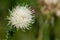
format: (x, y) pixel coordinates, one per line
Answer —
(57, 28)
(46, 30)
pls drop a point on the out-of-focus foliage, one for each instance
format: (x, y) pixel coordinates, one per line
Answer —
(3, 12)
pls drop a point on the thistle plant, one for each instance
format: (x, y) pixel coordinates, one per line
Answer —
(21, 17)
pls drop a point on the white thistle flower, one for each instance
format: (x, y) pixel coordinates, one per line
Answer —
(21, 17)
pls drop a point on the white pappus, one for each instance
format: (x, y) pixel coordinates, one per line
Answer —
(21, 17)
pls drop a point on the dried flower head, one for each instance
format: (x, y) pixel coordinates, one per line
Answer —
(48, 7)
(49, 2)
(21, 17)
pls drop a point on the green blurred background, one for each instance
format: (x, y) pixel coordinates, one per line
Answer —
(39, 28)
